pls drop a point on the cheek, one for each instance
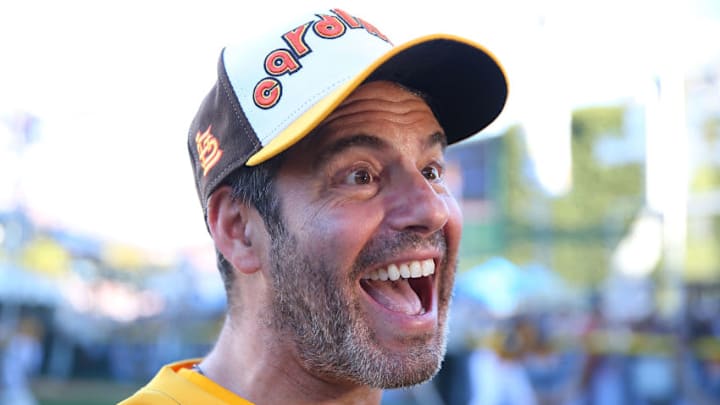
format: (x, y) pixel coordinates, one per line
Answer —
(453, 228)
(338, 234)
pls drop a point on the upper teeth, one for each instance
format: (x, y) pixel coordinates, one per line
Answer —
(412, 269)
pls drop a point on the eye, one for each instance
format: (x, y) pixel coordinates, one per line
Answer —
(432, 173)
(359, 177)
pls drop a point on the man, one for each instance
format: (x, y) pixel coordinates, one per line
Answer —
(319, 163)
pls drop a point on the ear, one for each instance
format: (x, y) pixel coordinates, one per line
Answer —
(231, 226)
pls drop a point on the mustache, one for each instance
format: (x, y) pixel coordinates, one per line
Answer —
(381, 249)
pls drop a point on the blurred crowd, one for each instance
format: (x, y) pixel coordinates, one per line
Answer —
(507, 345)
(578, 356)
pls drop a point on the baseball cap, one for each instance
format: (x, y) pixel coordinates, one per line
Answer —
(273, 90)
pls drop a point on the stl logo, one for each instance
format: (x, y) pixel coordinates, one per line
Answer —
(208, 149)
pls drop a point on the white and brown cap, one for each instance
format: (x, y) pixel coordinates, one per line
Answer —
(272, 91)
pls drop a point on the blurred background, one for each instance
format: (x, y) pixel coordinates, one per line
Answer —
(590, 261)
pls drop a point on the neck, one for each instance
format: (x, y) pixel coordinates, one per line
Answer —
(254, 362)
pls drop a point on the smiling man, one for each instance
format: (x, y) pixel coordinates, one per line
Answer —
(319, 159)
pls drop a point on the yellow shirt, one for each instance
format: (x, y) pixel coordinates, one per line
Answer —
(177, 383)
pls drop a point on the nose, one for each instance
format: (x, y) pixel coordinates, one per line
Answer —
(415, 204)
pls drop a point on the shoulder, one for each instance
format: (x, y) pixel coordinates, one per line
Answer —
(149, 396)
(167, 387)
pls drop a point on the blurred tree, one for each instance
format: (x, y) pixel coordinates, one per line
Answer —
(482, 226)
(574, 233)
(703, 248)
(707, 175)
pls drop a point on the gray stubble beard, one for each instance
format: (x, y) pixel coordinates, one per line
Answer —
(325, 325)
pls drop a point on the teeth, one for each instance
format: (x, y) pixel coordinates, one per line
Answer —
(383, 275)
(415, 270)
(405, 270)
(394, 272)
(428, 267)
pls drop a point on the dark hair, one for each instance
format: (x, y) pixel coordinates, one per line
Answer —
(253, 185)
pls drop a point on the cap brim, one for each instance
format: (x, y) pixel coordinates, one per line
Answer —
(465, 85)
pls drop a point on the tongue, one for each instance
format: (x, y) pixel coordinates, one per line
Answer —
(396, 296)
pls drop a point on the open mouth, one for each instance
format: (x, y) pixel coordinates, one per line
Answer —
(403, 287)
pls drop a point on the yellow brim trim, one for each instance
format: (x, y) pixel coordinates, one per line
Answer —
(310, 119)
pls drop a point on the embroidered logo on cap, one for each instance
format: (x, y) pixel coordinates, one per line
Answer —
(208, 148)
(282, 61)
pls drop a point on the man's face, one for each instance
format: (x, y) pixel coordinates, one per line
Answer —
(363, 265)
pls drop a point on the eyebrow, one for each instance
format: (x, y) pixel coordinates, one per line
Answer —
(437, 138)
(371, 142)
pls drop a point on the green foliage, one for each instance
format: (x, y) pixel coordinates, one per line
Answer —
(703, 254)
(711, 129)
(581, 263)
(517, 194)
(705, 178)
(574, 233)
(478, 243)
(703, 243)
(599, 193)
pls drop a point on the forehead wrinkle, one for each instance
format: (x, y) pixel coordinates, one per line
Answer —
(340, 145)
(411, 109)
